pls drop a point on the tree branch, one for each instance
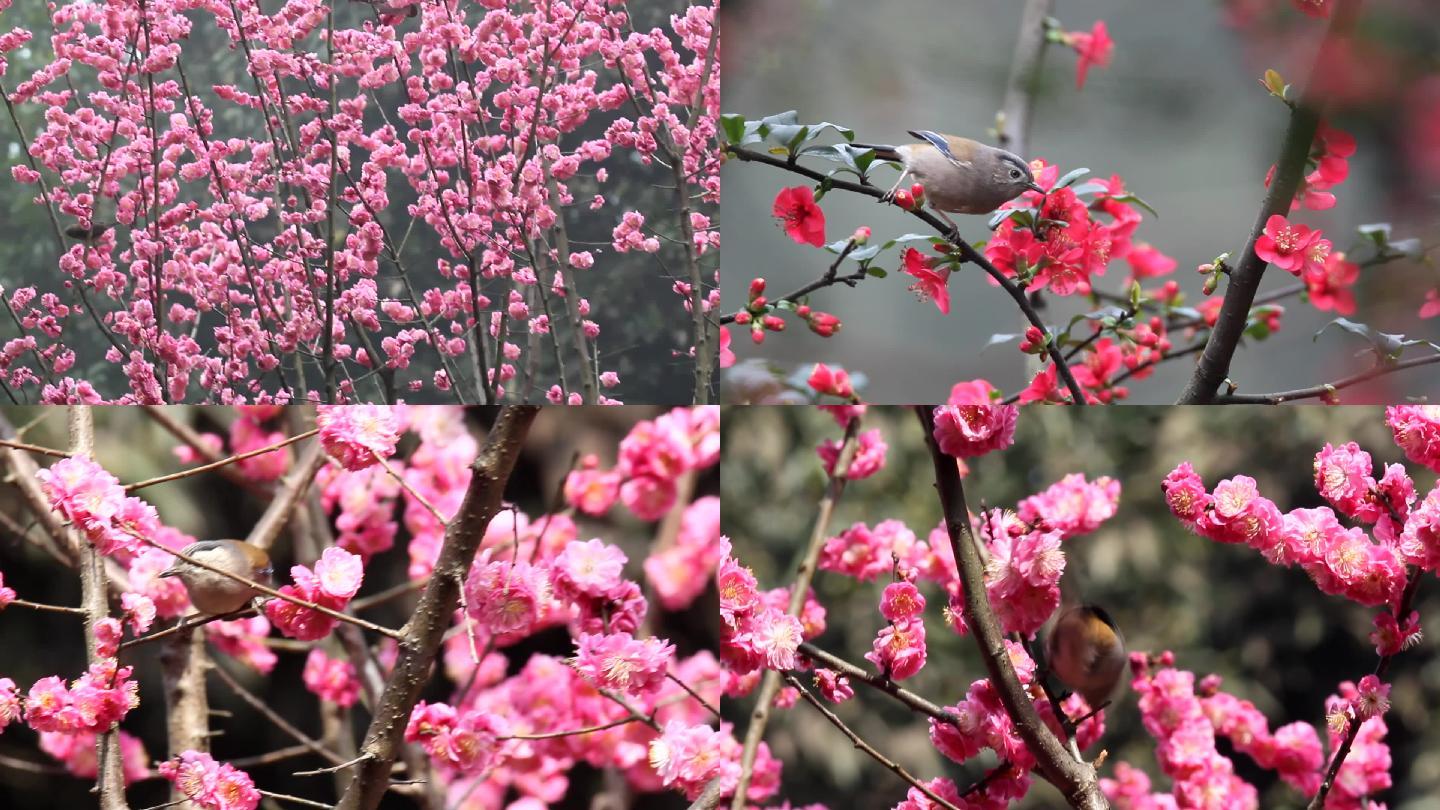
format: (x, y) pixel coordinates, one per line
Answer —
(1323, 389)
(421, 637)
(1214, 363)
(1076, 780)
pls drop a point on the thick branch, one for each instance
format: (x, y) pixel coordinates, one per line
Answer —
(421, 636)
(966, 250)
(858, 742)
(1076, 780)
(1214, 365)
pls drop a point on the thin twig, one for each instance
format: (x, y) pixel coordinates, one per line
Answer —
(150, 482)
(859, 743)
(1324, 389)
(804, 572)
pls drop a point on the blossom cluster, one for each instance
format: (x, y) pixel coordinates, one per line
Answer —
(210, 784)
(653, 457)
(759, 632)
(1349, 562)
(210, 281)
(500, 733)
(332, 584)
(1187, 718)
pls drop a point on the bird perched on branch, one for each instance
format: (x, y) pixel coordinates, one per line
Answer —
(1086, 652)
(89, 235)
(391, 11)
(214, 593)
(959, 175)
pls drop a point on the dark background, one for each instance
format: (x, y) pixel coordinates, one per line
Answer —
(1275, 639)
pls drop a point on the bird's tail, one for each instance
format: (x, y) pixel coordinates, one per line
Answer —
(882, 151)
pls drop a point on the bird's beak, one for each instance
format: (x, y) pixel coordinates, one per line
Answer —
(1034, 187)
(170, 572)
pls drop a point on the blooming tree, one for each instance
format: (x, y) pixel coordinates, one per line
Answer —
(1065, 238)
(530, 649)
(995, 575)
(370, 200)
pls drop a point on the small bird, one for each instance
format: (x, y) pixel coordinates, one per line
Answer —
(89, 235)
(214, 593)
(959, 175)
(1086, 652)
(391, 13)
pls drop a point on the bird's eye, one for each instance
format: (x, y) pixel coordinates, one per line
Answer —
(1014, 174)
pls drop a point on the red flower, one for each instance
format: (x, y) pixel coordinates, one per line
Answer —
(1431, 307)
(804, 221)
(1284, 245)
(931, 284)
(727, 357)
(1093, 48)
(1329, 285)
(1147, 262)
(835, 382)
(1315, 8)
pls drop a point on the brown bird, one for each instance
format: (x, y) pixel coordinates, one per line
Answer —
(214, 593)
(390, 13)
(89, 235)
(959, 175)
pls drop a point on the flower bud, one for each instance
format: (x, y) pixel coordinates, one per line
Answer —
(861, 235)
(918, 192)
(905, 200)
(773, 322)
(824, 324)
(1033, 342)
(803, 310)
(742, 317)
(757, 288)
(1211, 282)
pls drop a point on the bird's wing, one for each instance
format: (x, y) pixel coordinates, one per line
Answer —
(939, 142)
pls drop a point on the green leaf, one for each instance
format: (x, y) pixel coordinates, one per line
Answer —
(865, 253)
(1018, 214)
(1092, 187)
(1378, 232)
(1131, 198)
(734, 128)
(1410, 248)
(1070, 177)
(877, 272)
(824, 188)
(1111, 313)
(1135, 296)
(1274, 83)
(1000, 338)
(912, 237)
(1387, 346)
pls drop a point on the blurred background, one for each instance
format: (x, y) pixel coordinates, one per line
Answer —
(1273, 637)
(133, 447)
(1179, 114)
